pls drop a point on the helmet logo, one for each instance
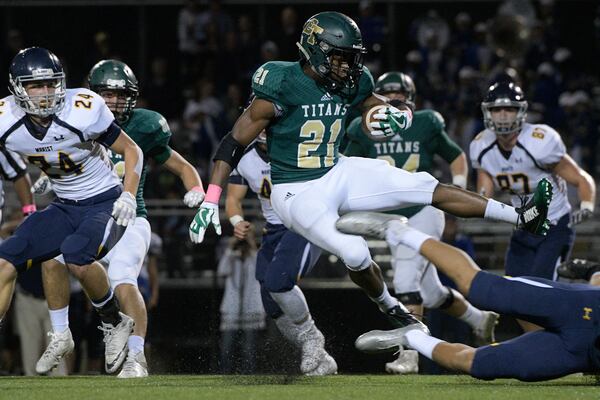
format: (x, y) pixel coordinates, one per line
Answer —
(116, 82)
(310, 28)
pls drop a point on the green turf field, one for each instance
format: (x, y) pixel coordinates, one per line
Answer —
(369, 387)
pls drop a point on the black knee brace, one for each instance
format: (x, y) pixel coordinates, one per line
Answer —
(413, 298)
(449, 299)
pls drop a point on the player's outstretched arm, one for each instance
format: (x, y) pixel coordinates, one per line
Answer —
(22, 186)
(234, 211)
(124, 209)
(231, 149)
(460, 171)
(568, 169)
(189, 176)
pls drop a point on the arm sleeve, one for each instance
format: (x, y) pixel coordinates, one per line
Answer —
(110, 135)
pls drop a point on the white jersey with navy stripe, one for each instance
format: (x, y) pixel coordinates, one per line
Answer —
(255, 171)
(70, 150)
(538, 149)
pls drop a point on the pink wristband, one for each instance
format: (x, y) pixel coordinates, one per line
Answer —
(213, 193)
(28, 209)
(198, 189)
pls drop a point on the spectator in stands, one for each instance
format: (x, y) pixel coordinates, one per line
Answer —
(288, 34)
(242, 314)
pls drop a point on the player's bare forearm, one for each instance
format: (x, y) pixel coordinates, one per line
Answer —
(184, 170)
(22, 186)
(134, 161)
(248, 126)
(452, 261)
(459, 170)
(233, 203)
(568, 169)
(485, 184)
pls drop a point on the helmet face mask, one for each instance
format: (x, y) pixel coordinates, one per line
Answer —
(116, 83)
(331, 44)
(502, 98)
(37, 82)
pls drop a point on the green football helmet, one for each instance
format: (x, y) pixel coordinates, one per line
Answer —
(115, 76)
(331, 44)
(394, 81)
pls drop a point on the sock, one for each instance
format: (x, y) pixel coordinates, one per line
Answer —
(385, 300)
(422, 342)
(292, 303)
(60, 319)
(472, 316)
(405, 235)
(288, 329)
(135, 344)
(501, 212)
(108, 309)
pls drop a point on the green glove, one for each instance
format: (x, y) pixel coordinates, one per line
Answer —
(207, 213)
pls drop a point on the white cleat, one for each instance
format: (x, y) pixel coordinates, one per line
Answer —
(135, 366)
(406, 363)
(366, 223)
(313, 344)
(485, 331)
(327, 366)
(385, 341)
(115, 341)
(61, 344)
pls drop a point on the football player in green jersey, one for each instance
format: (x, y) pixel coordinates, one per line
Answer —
(415, 283)
(304, 105)
(118, 86)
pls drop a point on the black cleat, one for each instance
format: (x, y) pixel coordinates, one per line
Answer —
(533, 215)
(578, 268)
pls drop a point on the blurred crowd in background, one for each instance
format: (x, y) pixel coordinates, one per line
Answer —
(201, 55)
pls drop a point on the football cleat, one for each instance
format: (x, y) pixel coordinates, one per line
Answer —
(61, 344)
(135, 366)
(366, 223)
(406, 363)
(533, 215)
(384, 341)
(327, 366)
(578, 268)
(115, 341)
(484, 333)
(400, 317)
(313, 344)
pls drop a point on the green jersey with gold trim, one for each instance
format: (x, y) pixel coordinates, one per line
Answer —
(150, 131)
(304, 139)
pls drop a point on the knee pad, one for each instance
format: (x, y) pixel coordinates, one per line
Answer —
(356, 255)
(119, 273)
(75, 251)
(442, 302)
(413, 298)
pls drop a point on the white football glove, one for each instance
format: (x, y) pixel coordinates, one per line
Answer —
(124, 209)
(390, 121)
(207, 213)
(194, 197)
(42, 186)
